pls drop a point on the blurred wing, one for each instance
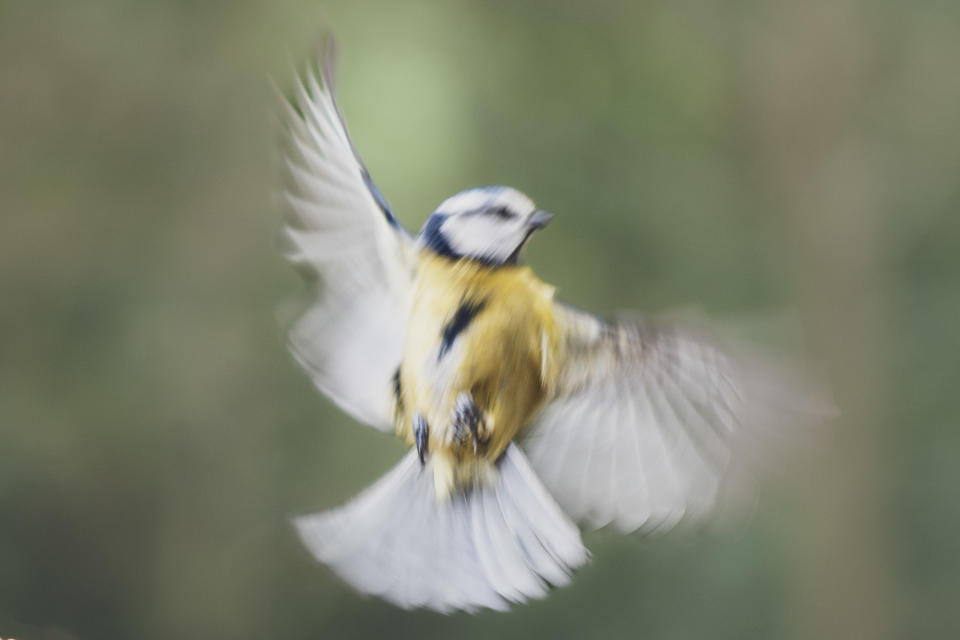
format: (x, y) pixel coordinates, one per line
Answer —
(342, 235)
(649, 424)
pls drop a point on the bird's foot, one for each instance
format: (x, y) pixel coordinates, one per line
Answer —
(421, 435)
(469, 424)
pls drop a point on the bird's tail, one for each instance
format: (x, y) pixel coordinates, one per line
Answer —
(488, 546)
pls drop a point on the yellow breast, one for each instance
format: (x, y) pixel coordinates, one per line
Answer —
(484, 331)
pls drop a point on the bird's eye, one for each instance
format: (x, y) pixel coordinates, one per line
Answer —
(502, 212)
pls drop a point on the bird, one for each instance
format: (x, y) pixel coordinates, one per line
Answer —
(526, 418)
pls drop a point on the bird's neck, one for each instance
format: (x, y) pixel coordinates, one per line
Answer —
(441, 271)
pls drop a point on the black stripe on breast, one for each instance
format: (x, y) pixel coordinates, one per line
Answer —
(465, 313)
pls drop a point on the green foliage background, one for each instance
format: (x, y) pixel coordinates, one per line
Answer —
(743, 157)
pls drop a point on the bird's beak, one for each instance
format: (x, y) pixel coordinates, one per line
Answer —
(539, 219)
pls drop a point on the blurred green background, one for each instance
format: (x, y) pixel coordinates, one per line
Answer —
(741, 157)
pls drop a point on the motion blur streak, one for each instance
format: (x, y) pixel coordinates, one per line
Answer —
(156, 438)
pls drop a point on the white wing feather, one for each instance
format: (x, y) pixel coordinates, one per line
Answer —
(650, 425)
(343, 236)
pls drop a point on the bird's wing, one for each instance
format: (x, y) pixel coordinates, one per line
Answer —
(342, 235)
(648, 425)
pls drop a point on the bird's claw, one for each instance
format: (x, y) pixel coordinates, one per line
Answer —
(421, 435)
(468, 421)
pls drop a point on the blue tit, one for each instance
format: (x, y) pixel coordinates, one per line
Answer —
(523, 415)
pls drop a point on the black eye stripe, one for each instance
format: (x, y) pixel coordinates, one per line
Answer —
(504, 213)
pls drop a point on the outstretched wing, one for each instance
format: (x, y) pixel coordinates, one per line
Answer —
(649, 424)
(343, 236)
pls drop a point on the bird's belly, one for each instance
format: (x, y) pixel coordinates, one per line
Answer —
(489, 373)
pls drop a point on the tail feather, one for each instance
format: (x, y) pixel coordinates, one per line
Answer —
(484, 548)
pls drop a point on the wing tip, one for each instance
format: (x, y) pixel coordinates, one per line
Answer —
(318, 83)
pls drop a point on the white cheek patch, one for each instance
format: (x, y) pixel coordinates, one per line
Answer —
(482, 236)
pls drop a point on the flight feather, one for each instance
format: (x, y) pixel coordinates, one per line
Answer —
(343, 236)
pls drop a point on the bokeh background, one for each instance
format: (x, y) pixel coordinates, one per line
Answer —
(744, 158)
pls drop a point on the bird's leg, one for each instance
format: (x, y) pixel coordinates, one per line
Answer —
(468, 421)
(421, 435)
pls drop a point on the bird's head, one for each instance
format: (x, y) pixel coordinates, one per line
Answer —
(487, 224)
